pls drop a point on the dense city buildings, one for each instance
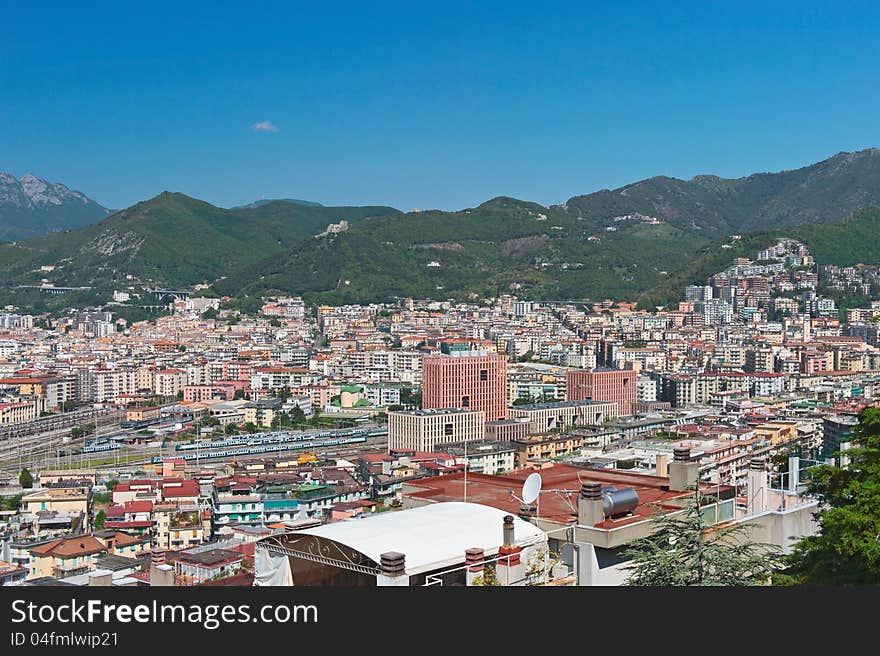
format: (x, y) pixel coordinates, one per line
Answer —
(174, 450)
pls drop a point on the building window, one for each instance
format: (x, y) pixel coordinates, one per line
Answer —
(484, 374)
(447, 429)
(465, 402)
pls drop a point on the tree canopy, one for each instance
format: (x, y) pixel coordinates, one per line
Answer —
(25, 478)
(846, 549)
(685, 550)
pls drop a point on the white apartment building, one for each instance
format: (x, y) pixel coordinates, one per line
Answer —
(108, 384)
(647, 389)
(169, 382)
(425, 430)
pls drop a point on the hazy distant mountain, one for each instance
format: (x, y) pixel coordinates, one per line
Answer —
(32, 206)
(266, 201)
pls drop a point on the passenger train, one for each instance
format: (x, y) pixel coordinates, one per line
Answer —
(278, 437)
(268, 448)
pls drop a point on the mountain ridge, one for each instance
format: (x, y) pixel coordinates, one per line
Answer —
(266, 201)
(754, 201)
(632, 242)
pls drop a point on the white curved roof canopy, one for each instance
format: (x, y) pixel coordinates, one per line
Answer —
(431, 536)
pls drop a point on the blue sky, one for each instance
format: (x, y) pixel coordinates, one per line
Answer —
(429, 105)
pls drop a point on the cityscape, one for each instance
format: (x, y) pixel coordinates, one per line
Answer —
(209, 447)
(297, 298)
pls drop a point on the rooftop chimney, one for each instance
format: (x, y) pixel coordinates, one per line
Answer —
(683, 473)
(511, 570)
(590, 507)
(160, 573)
(758, 486)
(392, 569)
(508, 531)
(474, 558)
(392, 563)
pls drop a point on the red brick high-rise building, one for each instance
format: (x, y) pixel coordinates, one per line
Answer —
(471, 380)
(618, 386)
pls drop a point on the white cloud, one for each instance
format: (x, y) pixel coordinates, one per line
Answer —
(264, 126)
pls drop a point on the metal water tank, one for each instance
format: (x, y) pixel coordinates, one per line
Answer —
(618, 502)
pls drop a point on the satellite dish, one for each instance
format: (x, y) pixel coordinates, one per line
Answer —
(531, 488)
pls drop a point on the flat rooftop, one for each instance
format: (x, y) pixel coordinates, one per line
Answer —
(553, 405)
(496, 491)
(429, 412)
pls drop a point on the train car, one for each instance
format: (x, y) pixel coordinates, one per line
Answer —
(139, 424)
(99, 448)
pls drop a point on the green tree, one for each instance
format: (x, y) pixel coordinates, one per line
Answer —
(846, 549)
(297, 416)
(100, 518)
(239, 394)
(410, 398)
(231, 429)
(686, 550)
(250, 427)
(10, 503)
(208, 420)
(25, 478)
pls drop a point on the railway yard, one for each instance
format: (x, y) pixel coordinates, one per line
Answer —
(51, 445)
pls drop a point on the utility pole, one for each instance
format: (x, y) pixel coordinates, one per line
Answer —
(465, 470)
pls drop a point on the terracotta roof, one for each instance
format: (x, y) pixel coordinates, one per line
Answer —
(495, 491)
(130, 507)
(82, 545)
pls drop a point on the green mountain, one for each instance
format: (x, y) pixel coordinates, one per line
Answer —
(171, 239)
(636, 241)
(645, 241)
(489, 249)
(827, 191)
